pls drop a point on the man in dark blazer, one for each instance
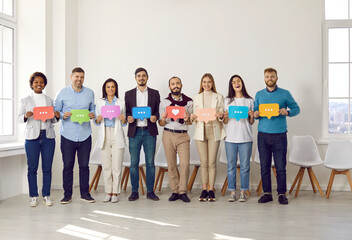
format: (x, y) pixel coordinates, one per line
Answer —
(142, 132)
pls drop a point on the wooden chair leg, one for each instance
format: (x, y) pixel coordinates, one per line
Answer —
(141, 182)
(98, 177)
(178, 174)
(331, 180)
(157, 179)
(193, 177)
(161, 178)
(127, 177)
(309, 170)
(141, 170)
(295, 181)
(123, 176)
(260, 187)
(94, 178)
(299, 182)
(274, 171)
(348, 174)
(224, 187)
(316, 182)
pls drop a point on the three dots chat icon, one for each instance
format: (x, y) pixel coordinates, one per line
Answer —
(269, 110)
(238, 112)
(141, 112)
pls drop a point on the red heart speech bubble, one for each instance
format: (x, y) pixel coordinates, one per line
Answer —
(43, 113)
(175, 112)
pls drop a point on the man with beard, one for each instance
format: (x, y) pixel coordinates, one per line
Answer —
(272, 138)
(142, 132)
(176, 139)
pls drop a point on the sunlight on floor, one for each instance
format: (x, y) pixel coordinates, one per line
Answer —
(139, 219)
(224, 237)
(87, 233)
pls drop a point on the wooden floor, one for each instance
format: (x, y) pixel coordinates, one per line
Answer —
(309, 216)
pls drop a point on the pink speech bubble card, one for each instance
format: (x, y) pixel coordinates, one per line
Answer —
(175, 112)
(43, 113)
(206, 114)
(111, 111)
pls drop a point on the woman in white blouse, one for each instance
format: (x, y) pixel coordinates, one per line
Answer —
(39, 138)
(239, 139)
(208, 135)
(111, 140)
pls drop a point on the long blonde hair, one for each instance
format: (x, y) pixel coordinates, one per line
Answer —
(212, 80)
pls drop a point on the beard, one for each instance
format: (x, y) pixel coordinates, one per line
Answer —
(142, 84)
(270, 83)
(176, 91)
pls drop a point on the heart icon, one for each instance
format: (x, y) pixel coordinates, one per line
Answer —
(175, 111)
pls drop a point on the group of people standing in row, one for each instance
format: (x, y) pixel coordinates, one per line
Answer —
(76, 138)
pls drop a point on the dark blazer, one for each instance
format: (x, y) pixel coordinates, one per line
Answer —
(153, 102)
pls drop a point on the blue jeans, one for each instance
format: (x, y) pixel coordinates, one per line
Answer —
(245, 151)
(45, 147)
(273, 145)
(69, 149)
(142, 136)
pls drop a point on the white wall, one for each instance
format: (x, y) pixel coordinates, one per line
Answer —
(186, 38)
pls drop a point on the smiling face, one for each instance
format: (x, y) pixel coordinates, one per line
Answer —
(77, 79)
(270, 79)
(141, 78)
(175, 86)
(207, 84)
(110, 89)
(38, 85)
(237, 84)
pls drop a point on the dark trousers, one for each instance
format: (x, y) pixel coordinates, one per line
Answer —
(69, 149)
(34, 148)
(273, 145)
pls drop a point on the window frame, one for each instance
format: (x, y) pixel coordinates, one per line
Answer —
(11, 22)
(330, 24)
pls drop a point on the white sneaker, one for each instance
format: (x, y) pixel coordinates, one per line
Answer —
(47, 201)
(114, 199)
(33, 202)
(232, 197)
(107, 198)
(243, 197)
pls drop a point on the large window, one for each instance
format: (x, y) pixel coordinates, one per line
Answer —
(338, 68)
(7, 69)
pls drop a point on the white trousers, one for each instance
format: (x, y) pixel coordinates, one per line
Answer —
(112, 158)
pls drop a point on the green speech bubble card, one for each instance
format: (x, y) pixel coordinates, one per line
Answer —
(80, 115)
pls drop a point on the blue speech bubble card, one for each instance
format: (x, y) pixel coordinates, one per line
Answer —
(238, 112)
(141, 112)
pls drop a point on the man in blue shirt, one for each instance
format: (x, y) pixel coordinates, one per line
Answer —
(75, 137)
(272, 138)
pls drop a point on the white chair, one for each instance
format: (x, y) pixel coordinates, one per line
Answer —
(223, 159)
(95, 159)
(339, 158)
(126, 172)
(305, 154)
(257, 160)
(195, 161)
(161, 162)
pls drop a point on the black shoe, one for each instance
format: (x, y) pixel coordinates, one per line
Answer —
(282, 199)
(133, 197)
(66, 200)
(184, 197)
(174, 197)
(152, 196)
(265, 198)
(87, 198)
(203, 196)
(211, 197)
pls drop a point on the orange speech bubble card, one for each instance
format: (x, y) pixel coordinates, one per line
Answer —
(175, 112)
(206, 114)
(43, 113)
(269, 110)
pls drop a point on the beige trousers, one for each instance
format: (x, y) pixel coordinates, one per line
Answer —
(208, 150)
(112, 158)
(177, 143)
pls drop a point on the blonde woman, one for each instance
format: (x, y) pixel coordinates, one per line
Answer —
(208, 135)
(111, 140)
